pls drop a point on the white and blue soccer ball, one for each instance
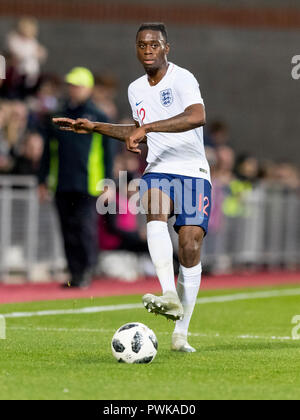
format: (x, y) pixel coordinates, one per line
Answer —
(134, 343)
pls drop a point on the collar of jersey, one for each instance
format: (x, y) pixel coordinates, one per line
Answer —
(170, 68)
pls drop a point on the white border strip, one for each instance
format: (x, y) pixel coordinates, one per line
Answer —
(200, 301)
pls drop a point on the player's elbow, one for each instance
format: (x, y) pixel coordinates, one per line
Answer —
(197, 116)
(202, 121)
(202, 117)
(198, 120)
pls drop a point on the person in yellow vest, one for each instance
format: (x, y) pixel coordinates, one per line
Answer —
(72, 166)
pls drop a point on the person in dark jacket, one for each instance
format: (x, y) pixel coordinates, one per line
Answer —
(72, 166)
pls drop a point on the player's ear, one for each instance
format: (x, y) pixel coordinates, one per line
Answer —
(167, 49)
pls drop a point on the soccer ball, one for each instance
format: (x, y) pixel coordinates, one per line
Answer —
(134, 343)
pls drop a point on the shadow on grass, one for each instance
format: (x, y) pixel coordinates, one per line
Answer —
(108, 359)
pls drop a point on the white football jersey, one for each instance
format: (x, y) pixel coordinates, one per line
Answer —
(172, 153)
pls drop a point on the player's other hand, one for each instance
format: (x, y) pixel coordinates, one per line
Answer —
(137, 136)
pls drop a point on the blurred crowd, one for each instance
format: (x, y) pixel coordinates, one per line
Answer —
(234, 175)
(28, 95)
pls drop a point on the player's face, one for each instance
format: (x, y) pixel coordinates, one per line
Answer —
(152, 49)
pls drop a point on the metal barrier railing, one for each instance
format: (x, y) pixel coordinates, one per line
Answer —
(265, 232)
(29, 234)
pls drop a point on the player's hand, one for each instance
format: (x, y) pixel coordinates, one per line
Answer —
(83, 126)
(79, 126)
(136, 137)
(65, 124)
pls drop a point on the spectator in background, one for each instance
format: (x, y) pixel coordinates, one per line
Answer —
(266, 172)
(247, 168)
(104, 95)
(129, 162)
(17, 123)
(5, 158)
(221, 160)
(12, 86)
(13, 125)
(28, 161)
(277, 175)
(223, 170)
(287, 176)
(76, 164)
(46, 99)
(27, 53)
(121, 231)
(244, 180)
(217, 134)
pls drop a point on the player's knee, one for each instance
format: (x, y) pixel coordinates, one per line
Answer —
(190, 241)
(189, 258)
(190, 250)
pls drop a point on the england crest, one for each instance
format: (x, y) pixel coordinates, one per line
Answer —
(166, 97)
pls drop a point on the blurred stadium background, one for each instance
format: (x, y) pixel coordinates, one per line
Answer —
(241, 56)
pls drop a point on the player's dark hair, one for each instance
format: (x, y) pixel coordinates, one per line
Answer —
(159, 27)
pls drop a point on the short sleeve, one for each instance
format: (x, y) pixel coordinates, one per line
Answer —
(188, 90)
(132, 104)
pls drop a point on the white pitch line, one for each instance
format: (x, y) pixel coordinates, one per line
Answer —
(50, 329)
(87, 310)
(200, 301)
(250, 295)
(260, 337)
(102, 331)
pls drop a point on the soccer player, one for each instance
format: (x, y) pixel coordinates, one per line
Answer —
(169, 113)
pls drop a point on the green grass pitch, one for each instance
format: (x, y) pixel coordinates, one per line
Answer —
(243, 352)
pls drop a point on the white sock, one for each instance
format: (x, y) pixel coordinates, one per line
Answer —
(188, 285)
(161, 252)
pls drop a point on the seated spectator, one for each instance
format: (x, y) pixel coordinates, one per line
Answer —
(217, 134)
(223, 171)
(267, 171)
(46, 99)
(104, 94)
(16, 123)
(129, 162)
(28, 162)
(287, 176)
(247, 168)
(121, 231)
(5, 157)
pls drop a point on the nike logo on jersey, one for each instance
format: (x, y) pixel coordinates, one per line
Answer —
(138, 103)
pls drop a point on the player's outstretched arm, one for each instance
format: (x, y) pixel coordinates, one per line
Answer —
(84, 126)
(120, 132)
